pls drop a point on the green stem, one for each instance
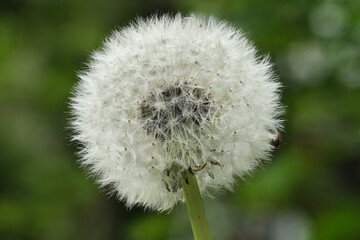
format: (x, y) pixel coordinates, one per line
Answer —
(195, 207)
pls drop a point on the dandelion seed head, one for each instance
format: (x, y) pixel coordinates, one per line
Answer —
(166, 94)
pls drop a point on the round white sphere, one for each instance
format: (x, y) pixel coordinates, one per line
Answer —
(168, 94)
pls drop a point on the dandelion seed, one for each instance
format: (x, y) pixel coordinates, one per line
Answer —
(160, 71)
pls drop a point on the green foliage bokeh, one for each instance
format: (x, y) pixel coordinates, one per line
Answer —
(309, 191)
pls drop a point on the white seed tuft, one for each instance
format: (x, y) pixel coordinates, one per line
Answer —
(167, 94)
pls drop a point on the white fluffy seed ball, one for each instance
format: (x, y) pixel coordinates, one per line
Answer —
(168, 94)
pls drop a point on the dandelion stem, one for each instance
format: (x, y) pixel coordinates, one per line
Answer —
(195, 207)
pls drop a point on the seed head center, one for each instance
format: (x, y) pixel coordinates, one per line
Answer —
(174, 107)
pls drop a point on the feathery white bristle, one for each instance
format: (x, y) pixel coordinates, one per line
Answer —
(169, 93)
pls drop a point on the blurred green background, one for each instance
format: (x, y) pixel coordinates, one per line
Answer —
(309, 192)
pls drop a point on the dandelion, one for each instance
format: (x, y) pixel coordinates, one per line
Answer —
(168, 100)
